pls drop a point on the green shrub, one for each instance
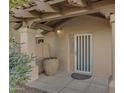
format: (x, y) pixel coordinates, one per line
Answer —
(19, 65)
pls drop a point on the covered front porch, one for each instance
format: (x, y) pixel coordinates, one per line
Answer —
(50, 30)
(62, 82)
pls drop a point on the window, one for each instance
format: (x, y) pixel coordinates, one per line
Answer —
(39, 40)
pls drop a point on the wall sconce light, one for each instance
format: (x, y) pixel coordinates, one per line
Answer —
(60, 32)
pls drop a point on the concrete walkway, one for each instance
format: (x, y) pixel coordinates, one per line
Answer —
(63, 83)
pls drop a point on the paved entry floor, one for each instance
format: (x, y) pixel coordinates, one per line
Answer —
(63, 83)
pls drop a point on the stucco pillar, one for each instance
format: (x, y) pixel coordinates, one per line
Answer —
(27, 36)
(112, 83)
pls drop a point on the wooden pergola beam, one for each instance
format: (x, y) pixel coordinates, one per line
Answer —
(81, 3)
(95, 8)
(51, 2)
(13, 19)
(41, 26)
(43, 7)
(18, 25)
(18, 13)
(28, 12)
(62, 22)
(45, 27)
(46, 9)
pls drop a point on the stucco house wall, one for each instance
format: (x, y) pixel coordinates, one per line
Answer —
(101, 49)
(62, 46)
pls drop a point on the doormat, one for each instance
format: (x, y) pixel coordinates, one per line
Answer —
(80, 76)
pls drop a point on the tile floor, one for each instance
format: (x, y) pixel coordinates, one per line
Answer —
(63, 83)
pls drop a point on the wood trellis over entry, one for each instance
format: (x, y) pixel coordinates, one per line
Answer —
(48, 14)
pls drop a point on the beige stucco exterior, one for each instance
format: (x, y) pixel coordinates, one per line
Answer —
(62, 45)
(27, 37)
(102, 44)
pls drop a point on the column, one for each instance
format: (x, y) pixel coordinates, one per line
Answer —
(27, 36)
(112, 83)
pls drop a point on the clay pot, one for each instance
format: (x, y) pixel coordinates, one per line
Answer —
(51, 66)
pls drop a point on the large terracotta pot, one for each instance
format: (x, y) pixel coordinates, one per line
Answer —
(51, 66)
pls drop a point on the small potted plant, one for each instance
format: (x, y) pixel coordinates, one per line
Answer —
(51, 65)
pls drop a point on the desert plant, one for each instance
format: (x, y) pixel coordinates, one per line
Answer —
(19, 67)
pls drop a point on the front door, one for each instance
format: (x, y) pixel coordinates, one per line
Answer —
(83, 53)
